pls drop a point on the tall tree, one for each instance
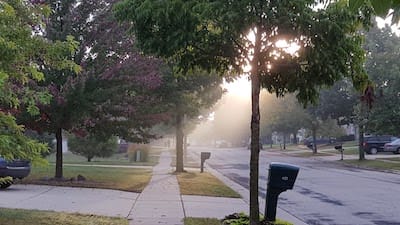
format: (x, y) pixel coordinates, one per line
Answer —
(227, 35)
(185, 97)
(383, 66)
(283, 115)
(336, 102)
(23, 51)
(112, 93)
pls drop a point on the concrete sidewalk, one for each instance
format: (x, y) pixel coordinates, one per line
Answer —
(162, 203)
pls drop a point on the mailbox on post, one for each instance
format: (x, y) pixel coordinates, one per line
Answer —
(340, 149)
(281, 177)
(204, 156)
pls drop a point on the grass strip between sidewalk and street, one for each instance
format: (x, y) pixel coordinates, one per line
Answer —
(124, 179)
(205, 184)
(201, 221)
(310, 154)
(380, 164)
(36, 217)
(213, 221)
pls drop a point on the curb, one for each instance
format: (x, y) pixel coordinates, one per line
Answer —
(244, 193)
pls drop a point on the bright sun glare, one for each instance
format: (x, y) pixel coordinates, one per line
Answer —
(241, 87)
(290, 48)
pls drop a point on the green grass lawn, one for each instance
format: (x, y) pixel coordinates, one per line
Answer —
(126, 179)
(116, 159)
(195, 183)
(393, 159)
(311, 154)
(201, 221)
(35, 217)
(347, 151)
(276, 147)
(380, 164)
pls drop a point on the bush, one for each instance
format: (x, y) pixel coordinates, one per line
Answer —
(138, 152)
(243, 219)
(5, 182)
(92, 146)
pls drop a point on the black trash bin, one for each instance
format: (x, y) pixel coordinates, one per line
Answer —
(281, 177)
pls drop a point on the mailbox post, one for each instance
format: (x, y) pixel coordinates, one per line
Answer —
(340, 149)
(204, 156)
(281, 177)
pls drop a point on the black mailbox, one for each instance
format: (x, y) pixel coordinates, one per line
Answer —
(281, 177)
(204, 156)
(340, 149)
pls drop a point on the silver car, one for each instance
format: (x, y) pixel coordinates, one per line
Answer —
(393, 146)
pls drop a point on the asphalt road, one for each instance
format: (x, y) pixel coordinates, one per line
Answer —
(325, 193)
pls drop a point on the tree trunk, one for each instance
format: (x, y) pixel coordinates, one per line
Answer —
(314, 136)
(89, 158)
(361, 153)
(271, 142)
(185, 145)
(284, 141)
(179, 143)
(255, 132)
(59, 154)
(361, 129)
(295, 138)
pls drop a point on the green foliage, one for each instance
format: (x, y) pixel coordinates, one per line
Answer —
(14, 144)
(91, 146)
(383, 66)
(43, 138)
(337, 102)
(5, 182)
(218, 32)
(243, 219)
(330, 128)
(283, 115)
(380, 7)
(201, 221)
(22, 53)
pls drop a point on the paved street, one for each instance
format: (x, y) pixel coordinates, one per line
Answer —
(325, 192)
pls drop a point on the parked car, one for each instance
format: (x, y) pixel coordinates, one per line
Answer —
(393, 146)
(16, 169)
(222, 144)
(375, 144)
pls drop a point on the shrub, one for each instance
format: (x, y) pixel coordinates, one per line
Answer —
(138, 152)
(5, 182)
(92, 146)
(243, 219)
